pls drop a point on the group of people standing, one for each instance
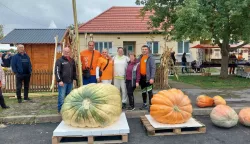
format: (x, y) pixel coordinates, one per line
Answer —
(21, 66)
(126, 73)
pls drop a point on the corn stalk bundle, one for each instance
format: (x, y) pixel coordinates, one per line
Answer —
(167, 64)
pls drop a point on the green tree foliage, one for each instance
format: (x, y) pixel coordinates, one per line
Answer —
(223, 21)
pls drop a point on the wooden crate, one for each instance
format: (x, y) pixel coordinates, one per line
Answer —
(151, 131)
(93, 139)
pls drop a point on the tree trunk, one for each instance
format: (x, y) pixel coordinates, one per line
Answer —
(224, 61)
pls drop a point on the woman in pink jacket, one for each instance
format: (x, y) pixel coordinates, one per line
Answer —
(2, 85)
(132, 79)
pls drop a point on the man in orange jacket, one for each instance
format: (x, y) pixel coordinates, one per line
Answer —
(89, 60)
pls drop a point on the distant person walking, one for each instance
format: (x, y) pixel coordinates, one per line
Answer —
(184, 63)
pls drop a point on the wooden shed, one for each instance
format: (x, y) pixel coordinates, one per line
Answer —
(39, 44)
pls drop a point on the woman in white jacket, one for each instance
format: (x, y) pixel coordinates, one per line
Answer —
(120, 65)
(2, 86)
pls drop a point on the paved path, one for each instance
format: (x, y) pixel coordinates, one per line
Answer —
(41, 134)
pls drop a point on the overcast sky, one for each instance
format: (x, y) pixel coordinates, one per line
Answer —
(40, 13)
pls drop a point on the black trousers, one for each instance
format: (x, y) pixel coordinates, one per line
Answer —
(25, 78)
(146, 88)
(130, 93)
(2, 103)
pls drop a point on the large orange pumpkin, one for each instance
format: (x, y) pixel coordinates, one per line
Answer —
(171, 107)
(224, 116)
(219, 100)
(204, 101)
(244, 116)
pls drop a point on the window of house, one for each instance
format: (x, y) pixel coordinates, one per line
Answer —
(183, 46)
(101, 45)
(154, 47)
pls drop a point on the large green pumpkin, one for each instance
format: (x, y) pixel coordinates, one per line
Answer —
(93, 105)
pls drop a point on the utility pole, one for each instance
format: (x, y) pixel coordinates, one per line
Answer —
(77, 44)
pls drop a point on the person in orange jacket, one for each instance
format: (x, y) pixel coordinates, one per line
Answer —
(89, 59)
(104, 69)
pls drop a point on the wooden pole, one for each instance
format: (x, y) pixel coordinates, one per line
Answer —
(77, 44)
(54, 64)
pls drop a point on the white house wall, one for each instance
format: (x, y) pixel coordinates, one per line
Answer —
(140, 39)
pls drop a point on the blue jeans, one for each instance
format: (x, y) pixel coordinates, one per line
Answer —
(92, 79)
(184, 66)
(63, 91)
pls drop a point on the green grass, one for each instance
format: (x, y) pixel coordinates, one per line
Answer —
(215, 82)
(9, 102)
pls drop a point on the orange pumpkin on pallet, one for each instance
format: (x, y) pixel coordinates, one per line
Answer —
(219, 100)
(171, 107)
(204, 101)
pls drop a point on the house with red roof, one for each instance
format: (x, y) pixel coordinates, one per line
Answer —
(123, 26)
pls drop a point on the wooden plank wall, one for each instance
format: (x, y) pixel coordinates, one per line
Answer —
(42, 57)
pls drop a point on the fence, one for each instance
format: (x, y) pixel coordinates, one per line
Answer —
(40, 81)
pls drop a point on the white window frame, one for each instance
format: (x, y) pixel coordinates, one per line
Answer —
(152, 46)
(109, 48)
(183, 47)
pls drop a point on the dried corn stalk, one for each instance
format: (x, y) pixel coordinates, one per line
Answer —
(73, 45)
(167, 64)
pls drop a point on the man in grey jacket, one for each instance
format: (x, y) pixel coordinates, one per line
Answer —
(147, 69)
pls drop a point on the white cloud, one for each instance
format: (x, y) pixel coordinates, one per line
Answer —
(38, 14)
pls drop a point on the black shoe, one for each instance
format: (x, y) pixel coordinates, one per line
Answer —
(27, 99)
(19, 100)
(130, 108)
(123, 106)
(144, 107)
(5, 107)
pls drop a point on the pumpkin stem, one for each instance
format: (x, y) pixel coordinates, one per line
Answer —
(86, 104)
(176, 108)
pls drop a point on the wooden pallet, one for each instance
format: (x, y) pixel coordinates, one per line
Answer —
(115, 133)
(151, 131)
(92, 139)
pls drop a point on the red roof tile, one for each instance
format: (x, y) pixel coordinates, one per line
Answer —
(117, 20)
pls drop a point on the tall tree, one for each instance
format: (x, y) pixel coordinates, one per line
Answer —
(1, 31)
(223, 21)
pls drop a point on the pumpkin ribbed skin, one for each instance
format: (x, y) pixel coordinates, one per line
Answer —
(93, 105)
(224, 116)
(171, 107)
(244, 116)
(204, 101)
(219, 100)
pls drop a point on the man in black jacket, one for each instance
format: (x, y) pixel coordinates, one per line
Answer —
(65, 72)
